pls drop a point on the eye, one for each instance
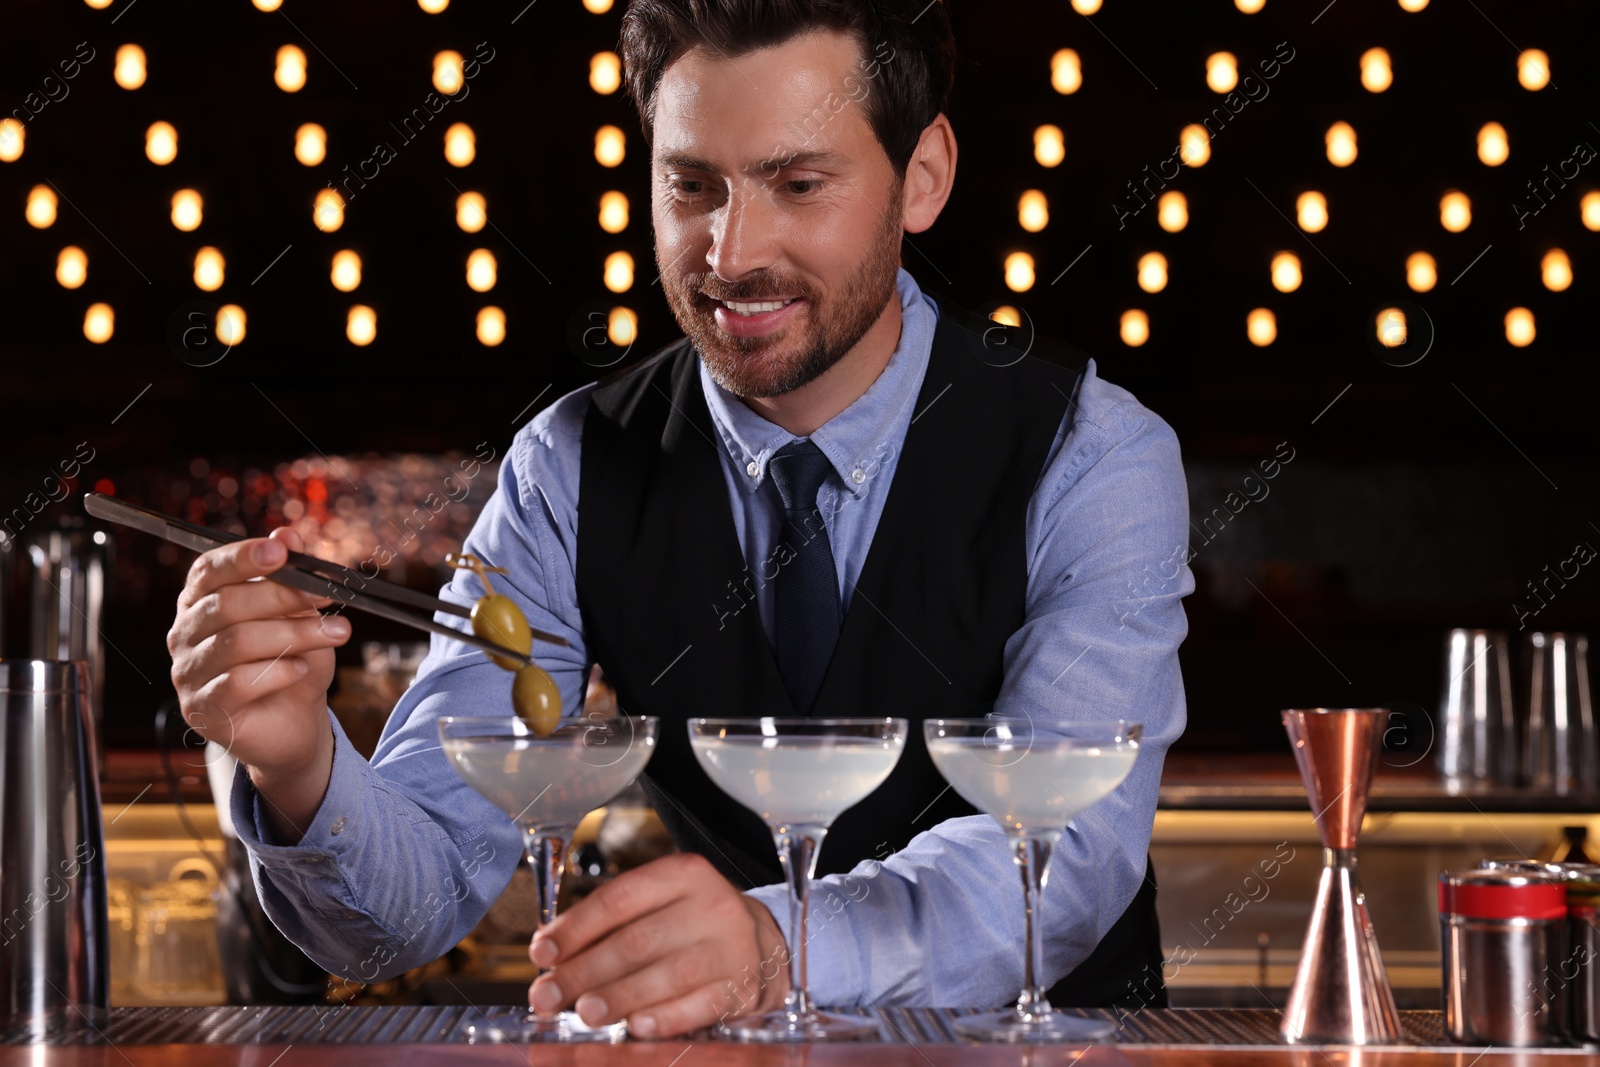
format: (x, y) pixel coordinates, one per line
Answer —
(801, 186)
(689, 185)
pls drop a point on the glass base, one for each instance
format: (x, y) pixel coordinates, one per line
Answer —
(1013, 1027)
(781, 1026)
(515, 1025)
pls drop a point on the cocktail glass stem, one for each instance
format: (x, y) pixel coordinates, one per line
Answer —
(797, 852)
(547, 855)
(1033, 858)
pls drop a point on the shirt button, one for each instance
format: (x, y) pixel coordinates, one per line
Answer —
(858, 476)
(754, 470)
(338, 826)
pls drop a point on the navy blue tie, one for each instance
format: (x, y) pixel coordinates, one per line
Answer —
(806, 587)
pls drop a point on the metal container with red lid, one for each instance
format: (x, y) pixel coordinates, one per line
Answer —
(1504, 938)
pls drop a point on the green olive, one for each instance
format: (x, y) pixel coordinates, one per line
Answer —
(537, 700)
(497, 618)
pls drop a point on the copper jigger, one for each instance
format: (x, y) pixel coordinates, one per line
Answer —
(1341, 993)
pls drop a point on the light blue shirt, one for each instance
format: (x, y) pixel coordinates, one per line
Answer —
(403, 858)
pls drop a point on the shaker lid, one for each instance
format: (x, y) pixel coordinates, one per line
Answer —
(1502, 893)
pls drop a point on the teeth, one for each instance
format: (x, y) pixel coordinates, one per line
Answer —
(755, 308)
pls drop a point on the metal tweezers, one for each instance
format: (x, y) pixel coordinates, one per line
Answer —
(309, 574)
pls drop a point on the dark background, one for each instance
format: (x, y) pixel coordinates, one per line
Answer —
(1426, 496)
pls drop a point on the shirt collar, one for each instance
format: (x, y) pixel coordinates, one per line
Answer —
(853, 439)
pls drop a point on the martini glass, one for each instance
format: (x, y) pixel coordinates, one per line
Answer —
(547, 785)
(799, 775)
(1033, 778)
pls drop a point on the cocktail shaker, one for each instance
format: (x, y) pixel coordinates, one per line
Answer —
(1503, 933)
(1561, 754)
(1477, 735)
(53, 934)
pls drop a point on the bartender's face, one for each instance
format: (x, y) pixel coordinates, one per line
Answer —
(771, 192)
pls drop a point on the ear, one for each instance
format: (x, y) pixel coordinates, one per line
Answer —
(930, 175)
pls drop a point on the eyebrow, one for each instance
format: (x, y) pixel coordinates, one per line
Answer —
(824, 159)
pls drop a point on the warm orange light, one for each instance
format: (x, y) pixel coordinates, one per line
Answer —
(1086, 7)
(1286, 272)
(491, 326)
(187, 210)
(605, 72)
(1019, 272)
(267, 5)
(597, 7)
(610, 145)
(208, 269)
(1422, 274)
(622, 326)
(1376, 74)
(1222, 72)
(460, 144)
(41, 209)
(1493, 147)
(346, 273)
(1049, 146)
(1033, 211)
(1135, 327)
(613, 212)
(1194, 145)
(161, 143)
(130, 69)
(481, 271)
(1152, 272)
(1172, 211)
(290, 74)
(1556, 270)
(230, 324)
(1250, 7)
(472, 212)
(1311, 208)
(1261, 326)
(361, 325)
(619, 272)
(72, 267)
(1341, 142)
(12, 134)
(1455, 211)
(1006, 315)
(1391, 327)
(1519, 327)
(447, 75)
(98, 323)
(310, 144)
(433, 7)
(1413, 5)
(1066, 75)
(1589, 210)
(327, 211)
(1533, 69)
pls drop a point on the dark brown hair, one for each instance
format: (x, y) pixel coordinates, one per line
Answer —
(907, 49)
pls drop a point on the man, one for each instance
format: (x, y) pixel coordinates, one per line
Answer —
(991, 532)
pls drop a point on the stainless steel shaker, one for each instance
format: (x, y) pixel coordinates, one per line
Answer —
(1562, 755)
(53, 935)
(1504, 939)
(1477, 735)
(67, 579)
(1583, 935)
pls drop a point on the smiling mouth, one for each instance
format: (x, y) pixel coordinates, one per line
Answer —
(753, 307)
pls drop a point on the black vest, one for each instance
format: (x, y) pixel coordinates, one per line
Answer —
(669, 610)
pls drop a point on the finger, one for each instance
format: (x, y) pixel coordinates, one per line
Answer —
(665, 980)
(241, 561)
(290, 539)
(263, 639)
(615, 904)
(711, 1003)
(234, 604)
(242, 684)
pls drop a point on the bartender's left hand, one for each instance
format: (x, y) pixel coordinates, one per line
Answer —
(670, 946)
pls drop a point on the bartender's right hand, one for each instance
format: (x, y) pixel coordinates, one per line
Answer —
(252, 661)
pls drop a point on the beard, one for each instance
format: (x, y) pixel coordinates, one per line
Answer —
(782, 362)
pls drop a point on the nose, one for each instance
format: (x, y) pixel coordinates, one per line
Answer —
(743, 237)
